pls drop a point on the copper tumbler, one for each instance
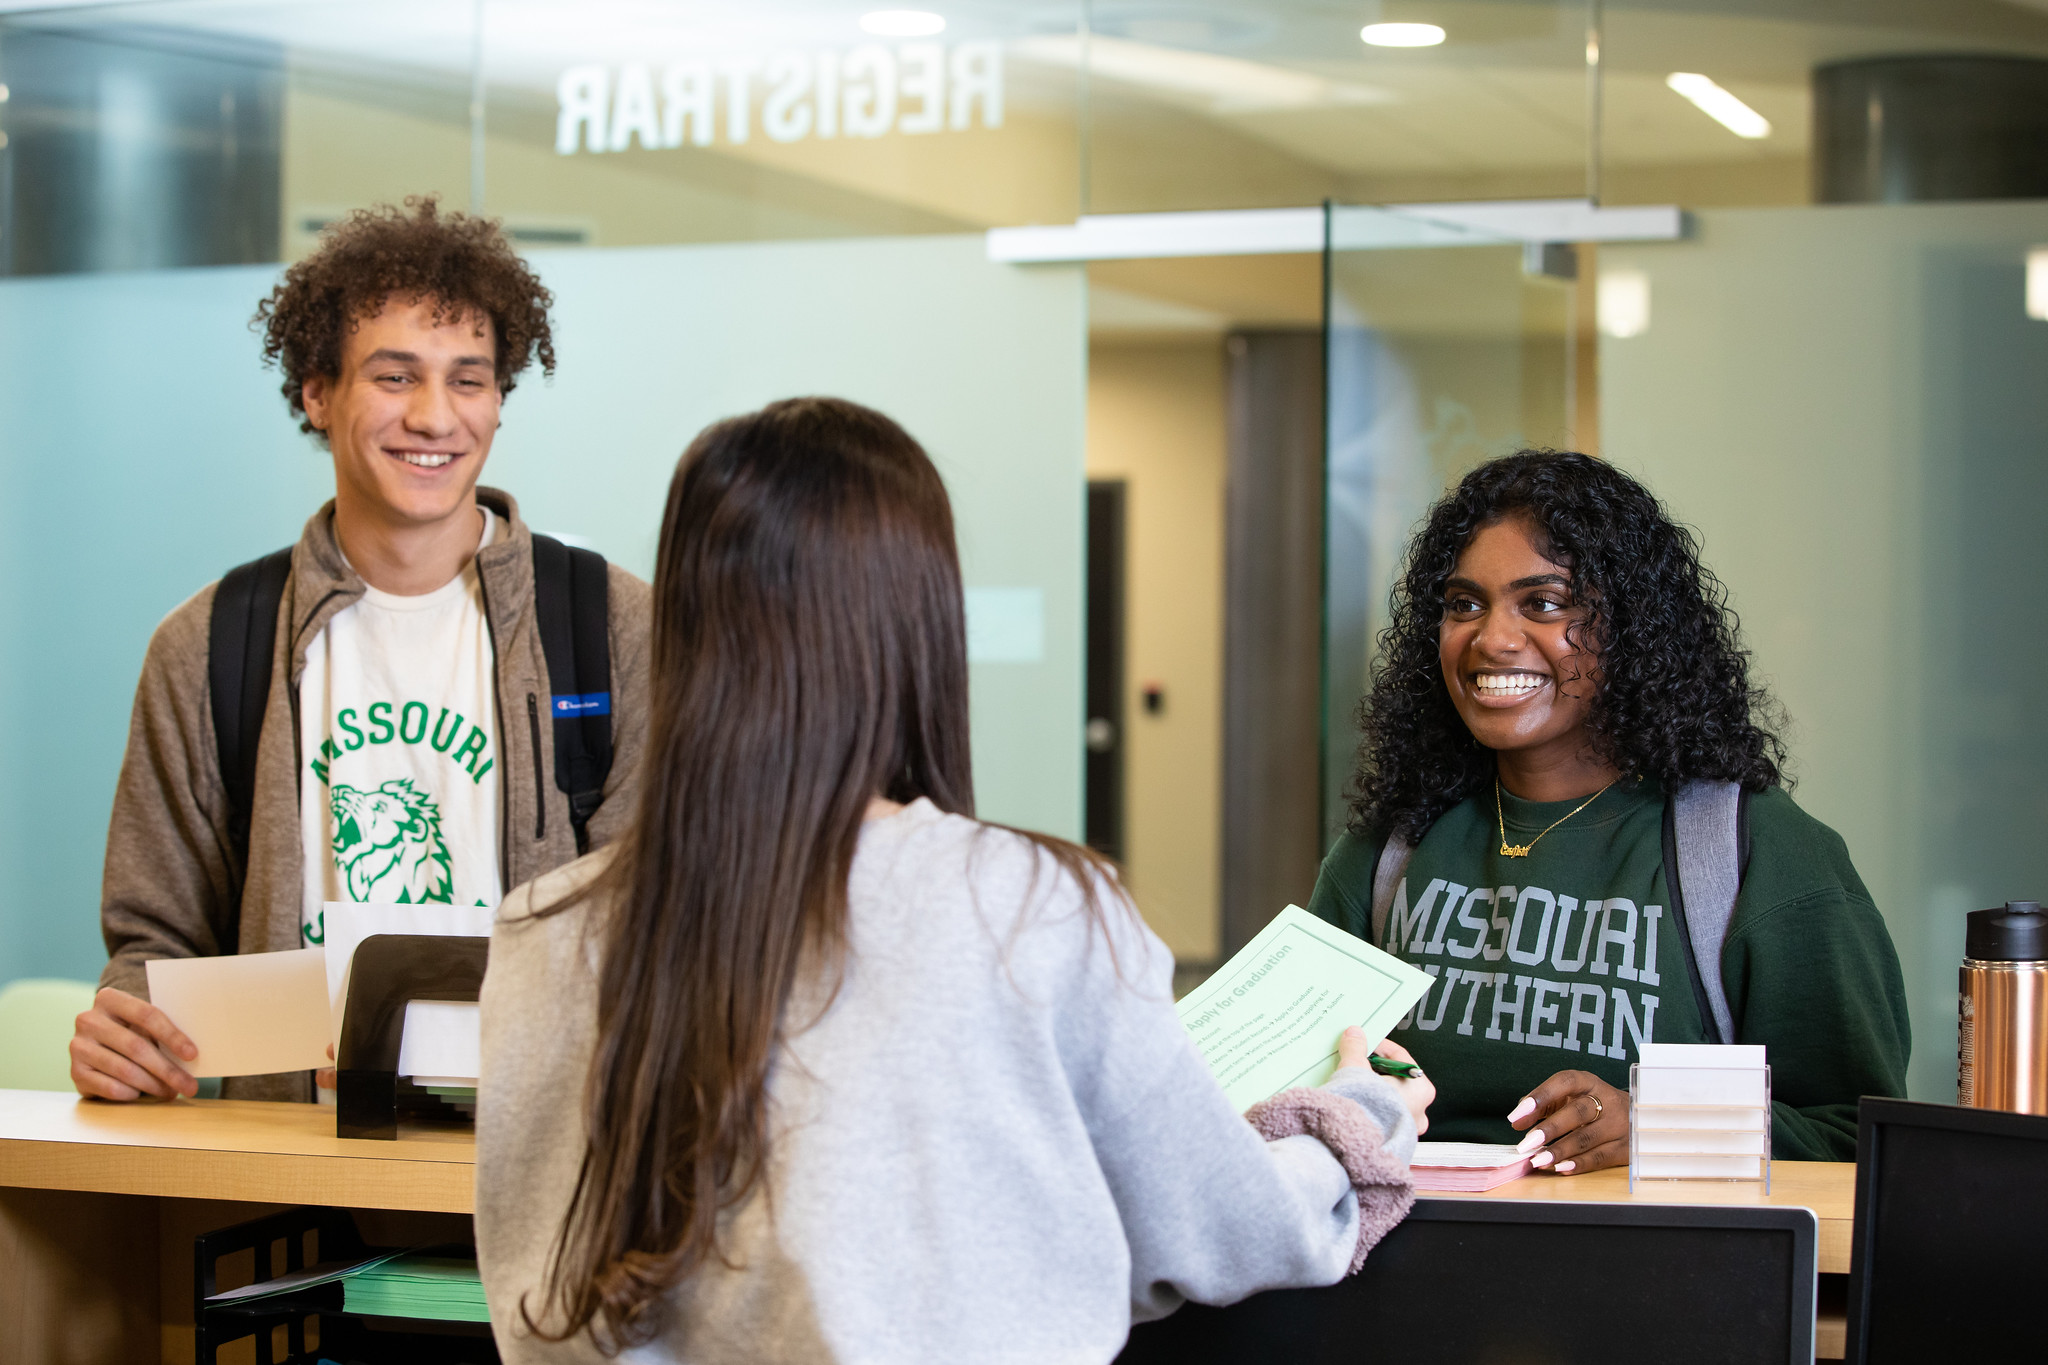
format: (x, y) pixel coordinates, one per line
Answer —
(2002, 1034)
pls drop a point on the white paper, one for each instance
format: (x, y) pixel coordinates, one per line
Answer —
(348, 924)
(443, 1042)
(1745, 1118)
(1699, 1142)
(1689, 1055)
(251, 1014)
(1699, 1085)
(325, 1273)
(1652, 1167)
(1474, 1155)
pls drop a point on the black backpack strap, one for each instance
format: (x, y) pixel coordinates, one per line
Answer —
(241, 638)
(1742, 836)
(572, 603)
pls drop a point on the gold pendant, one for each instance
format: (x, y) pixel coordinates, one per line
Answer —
(1508, 850)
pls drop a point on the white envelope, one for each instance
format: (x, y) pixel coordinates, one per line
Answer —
(251, 1014)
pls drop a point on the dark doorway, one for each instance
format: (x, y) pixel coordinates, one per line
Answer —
(1105, 688)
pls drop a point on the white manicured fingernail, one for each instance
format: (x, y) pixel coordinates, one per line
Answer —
(1522, 1110)
(1564, 1166)
(1542, 1159)
(1530, 1142)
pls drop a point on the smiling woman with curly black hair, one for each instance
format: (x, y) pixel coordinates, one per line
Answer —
(1561, 724)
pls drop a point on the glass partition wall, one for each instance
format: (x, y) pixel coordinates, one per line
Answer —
(1831, 374)
(608, 123)
(731, 204)
(1445, 347)
(1846, 401)
(1828, 371)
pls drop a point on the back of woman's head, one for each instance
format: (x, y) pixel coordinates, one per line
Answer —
(809, 653)
(1674, 702)
(807, 617)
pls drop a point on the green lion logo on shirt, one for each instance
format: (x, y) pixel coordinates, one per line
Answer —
(388, 845)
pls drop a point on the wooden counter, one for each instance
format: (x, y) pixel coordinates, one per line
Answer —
(228, 1149)
(99, 1204)
(1826, 1187)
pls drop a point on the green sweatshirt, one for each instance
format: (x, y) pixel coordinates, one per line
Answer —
(1566, 960)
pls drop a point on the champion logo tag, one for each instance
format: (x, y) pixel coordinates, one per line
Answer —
(569, 705)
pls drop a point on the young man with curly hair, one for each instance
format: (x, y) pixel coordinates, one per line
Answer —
(402, 754)
(1560, 679)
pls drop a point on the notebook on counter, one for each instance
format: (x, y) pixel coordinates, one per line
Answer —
(1466, 1167)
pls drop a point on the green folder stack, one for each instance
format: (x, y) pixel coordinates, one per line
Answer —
(438, 1287)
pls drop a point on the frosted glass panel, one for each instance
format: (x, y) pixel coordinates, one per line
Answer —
(1439, 359)
(1848, 403)
(143, 451)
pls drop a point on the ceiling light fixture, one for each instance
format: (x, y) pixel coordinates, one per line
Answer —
(902, 23)
(1718, 105)
(1402, 35)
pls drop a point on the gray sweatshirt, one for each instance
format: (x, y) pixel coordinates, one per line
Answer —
(996, 1143)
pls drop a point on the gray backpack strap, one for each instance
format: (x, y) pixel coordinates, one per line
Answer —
(1707, 847)
(1385, 878)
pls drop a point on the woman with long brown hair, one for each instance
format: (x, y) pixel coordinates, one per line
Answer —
(812, 1065)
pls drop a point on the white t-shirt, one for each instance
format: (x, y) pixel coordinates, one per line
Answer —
(398, 732)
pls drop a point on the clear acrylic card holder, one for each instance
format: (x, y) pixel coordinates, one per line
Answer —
(1699, 1123)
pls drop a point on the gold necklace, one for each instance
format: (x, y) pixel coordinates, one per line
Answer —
(1508, 850)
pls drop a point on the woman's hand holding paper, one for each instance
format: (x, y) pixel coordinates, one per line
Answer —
(1417, 1091)
(1576, 1123)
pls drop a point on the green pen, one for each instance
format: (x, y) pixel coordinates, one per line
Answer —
(1387, 1066)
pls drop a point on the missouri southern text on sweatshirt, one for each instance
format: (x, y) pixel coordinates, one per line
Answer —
(1568, 959)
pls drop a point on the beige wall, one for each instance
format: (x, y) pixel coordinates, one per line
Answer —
(1155, 420)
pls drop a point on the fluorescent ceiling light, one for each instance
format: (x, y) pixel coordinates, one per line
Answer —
(1402, 35)
(1623, 303)
(902, 23)
(2037, 283)
(1224, 84)
(1718, 105)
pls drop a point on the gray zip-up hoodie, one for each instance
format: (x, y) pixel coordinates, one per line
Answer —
(172, 880)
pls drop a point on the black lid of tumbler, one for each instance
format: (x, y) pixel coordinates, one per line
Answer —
(2015, 932)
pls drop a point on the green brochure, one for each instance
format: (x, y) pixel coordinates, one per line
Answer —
(443, 1288)
(1269, 1020)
